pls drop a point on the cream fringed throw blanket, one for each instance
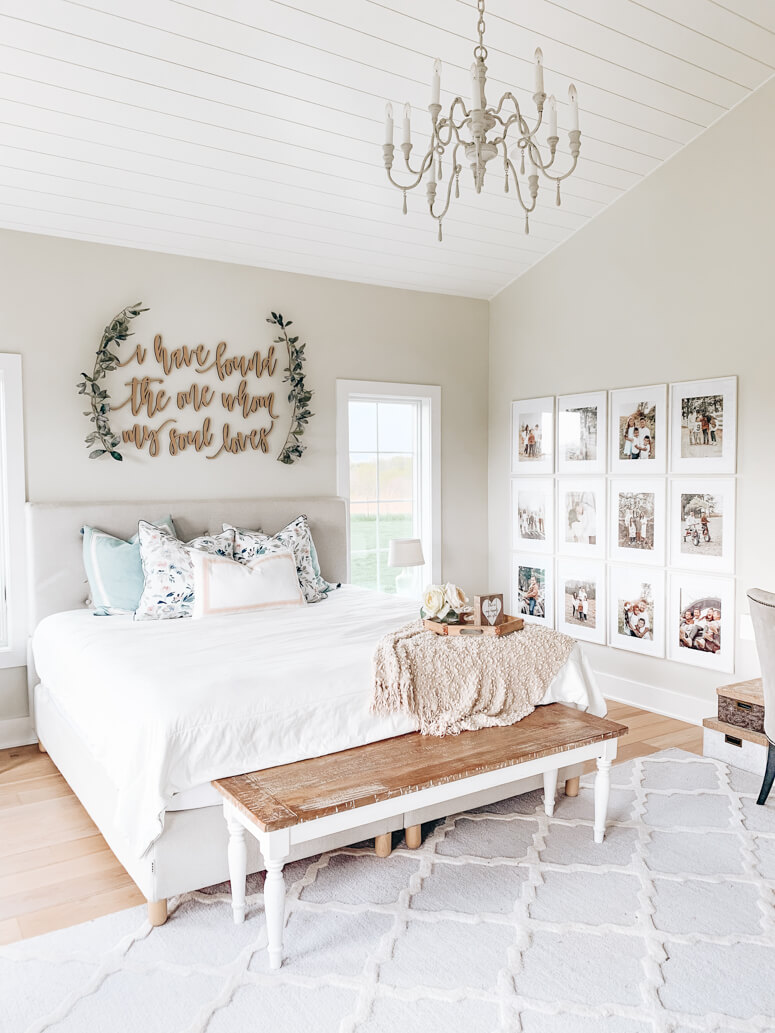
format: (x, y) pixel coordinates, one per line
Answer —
(460, 683)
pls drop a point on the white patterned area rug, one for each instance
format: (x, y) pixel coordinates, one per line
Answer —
(504, 920)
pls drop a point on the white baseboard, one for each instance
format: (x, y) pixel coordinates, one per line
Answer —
(17, 731)
(691, 709)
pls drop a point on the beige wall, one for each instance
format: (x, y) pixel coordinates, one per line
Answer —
(56, 296)
(673, 282)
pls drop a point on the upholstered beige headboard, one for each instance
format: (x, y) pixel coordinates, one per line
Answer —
(56, 576)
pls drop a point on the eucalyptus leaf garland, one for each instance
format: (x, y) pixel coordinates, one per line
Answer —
(299, 395)
(99, 412)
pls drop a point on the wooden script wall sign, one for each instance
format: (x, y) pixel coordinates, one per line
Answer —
(231, 394)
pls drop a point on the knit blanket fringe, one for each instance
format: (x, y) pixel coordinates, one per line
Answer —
(461, 683)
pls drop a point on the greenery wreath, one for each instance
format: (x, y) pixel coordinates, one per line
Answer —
(107, 441)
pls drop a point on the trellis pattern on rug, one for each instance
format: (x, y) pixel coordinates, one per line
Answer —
(591, 938)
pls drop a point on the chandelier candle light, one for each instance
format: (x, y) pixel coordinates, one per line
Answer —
(482, 133)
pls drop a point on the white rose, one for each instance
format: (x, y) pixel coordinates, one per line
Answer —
(434, 603)
(455, 597)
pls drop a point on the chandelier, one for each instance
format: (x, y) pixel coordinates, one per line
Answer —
(480, 135)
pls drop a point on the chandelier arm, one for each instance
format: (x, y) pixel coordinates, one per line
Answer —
(510, 166)
(418, 177)
(559, 178)
(535, 152)
(456, 172)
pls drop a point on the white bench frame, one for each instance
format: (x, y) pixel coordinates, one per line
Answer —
(413, 808)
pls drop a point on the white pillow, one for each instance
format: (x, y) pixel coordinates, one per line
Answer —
(225, 586)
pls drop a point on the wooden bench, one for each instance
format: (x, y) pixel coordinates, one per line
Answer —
(413, 776)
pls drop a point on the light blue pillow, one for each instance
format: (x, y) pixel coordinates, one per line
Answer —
(114, 569)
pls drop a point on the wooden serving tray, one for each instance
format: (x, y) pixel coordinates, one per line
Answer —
(467, 628)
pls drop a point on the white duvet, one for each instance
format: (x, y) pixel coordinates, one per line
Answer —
(165, 706)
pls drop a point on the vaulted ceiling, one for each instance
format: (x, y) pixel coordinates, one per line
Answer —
(251, 131)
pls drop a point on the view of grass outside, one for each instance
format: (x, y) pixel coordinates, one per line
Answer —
(382, 488)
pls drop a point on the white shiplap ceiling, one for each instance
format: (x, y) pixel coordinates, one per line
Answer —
(250, 131)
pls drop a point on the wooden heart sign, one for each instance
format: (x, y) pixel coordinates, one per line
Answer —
(488, 610)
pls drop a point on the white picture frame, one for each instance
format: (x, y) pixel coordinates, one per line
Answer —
(581, 599)
(581, 516)
(701, 524)
(532, 514)
(532, 418)
(636, 532)
(629, 586)
(695, 447)
(525, 566)
(582, 433)
(637, 419)
(709, 595)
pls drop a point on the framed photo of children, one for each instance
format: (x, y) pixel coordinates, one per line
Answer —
(532, 581)
(702, 524)
(636, 609)
(702, 621)
(637, 513)
(703, 426)
(581, 517)
(532, 513)
(581, 599)
(532, 436)
(639, 430)
(581, 433)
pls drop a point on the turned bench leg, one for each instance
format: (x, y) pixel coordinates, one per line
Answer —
(41, 747)
(572, 786)
(550, 790)
(413, 836)
(383, 845)
(157, 912)
(602, 790)
(238, 867)
(274, 906)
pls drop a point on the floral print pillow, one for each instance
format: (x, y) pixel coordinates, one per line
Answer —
(297, 537)
(168, 572)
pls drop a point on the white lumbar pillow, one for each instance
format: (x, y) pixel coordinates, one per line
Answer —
(223, 585)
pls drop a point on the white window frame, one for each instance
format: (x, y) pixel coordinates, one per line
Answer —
(429, 452)
(12, 512)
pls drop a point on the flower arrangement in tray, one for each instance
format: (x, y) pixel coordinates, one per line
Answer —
(445, 604)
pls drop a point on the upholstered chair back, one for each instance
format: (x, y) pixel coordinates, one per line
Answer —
(763, 618)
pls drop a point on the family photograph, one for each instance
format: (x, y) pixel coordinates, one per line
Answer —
(636, 614)
(702, 427)
(531, 587)
(530, 437)
(699, 623)
(580, 602)
(637, 431)
(580, 524)
(702, 523)
(578, 433)
(636, 520)
(531, 515)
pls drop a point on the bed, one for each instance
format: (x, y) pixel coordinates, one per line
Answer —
(140, 716)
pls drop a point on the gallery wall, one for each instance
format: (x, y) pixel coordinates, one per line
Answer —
(673, 282)
(57, 296)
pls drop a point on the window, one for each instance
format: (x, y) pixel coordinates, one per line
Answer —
(388, 467)
(13, 623)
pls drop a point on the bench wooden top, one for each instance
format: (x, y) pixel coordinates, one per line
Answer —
(290, 794)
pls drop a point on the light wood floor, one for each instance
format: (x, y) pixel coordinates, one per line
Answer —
(57, 870)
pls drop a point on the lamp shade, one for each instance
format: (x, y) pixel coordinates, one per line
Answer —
(405, 552)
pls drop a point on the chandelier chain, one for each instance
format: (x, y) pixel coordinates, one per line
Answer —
(481, 49)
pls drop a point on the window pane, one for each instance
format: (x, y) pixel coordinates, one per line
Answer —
(394, 524)
(363, 426)
(396, 422)
(363, 478)
(387, 575)
(363, 527)
(363, 570)
(396, 478)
